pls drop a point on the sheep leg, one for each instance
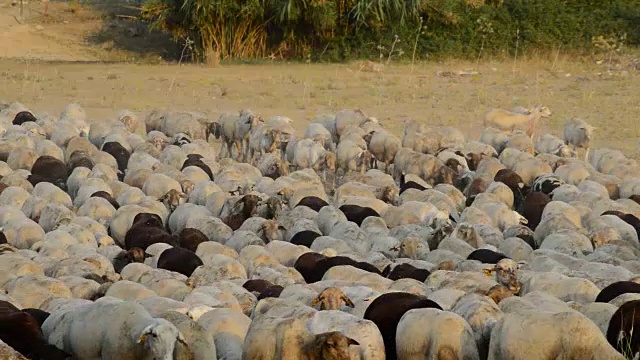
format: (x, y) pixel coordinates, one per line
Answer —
(586, 154)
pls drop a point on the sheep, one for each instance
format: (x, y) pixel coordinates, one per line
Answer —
(83, 333)
(569, 334)
(384, 146)
(387, 310)
(320, 134)
(421, 333)
(508, 121)
(310, 154)
(331, 298)
(236, 130)
(263, 139)
(549, 144)
(578, 134)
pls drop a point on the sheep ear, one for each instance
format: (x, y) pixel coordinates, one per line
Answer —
(315, 302)
(145, 333)
(348, 301)
(182, 340)
(488, 272)
(351, 341)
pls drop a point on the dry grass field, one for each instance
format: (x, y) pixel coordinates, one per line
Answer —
(39, 67)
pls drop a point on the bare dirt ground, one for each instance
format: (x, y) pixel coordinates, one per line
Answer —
(37, 69)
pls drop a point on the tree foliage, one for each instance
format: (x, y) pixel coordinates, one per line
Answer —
(340, 29)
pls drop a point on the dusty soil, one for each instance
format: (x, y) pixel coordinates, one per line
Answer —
(39, 66)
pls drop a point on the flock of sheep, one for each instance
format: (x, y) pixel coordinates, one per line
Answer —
(178, 236)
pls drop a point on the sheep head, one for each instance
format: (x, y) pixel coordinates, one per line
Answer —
(172, 198)
(213, 128)
(330, 346)
(541, 111)
(331, 298)
(271, 230)
(330, 161)
(446, 265)
(587, 130)
(160, 338)
(504, 273)
(158, 142)
(187, 186)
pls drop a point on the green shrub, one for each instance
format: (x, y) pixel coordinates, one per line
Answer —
(336, 30)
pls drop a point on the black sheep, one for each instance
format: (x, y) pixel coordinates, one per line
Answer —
(387, 310)
(305, 237)
(306, 265)
(532, 208)
(323, 265)
(3, 238)
(148, 219)
(622, 332)
(21, 331)
(179, 260)
(257, 285)
(405, 271)
(105, 195)
(486, 256)
(49, 169)
(119, 153)
(404, 185)
(616, 289)
(23, 117)
(357, 214)
(190, 239)
(142, 235)
(272, 291)
(513, 182)
(312, 202)
(39, 315)
(196, 160)
(79, 158)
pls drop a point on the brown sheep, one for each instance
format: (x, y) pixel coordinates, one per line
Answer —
(248, 204)
(331, 298)
(190, 238)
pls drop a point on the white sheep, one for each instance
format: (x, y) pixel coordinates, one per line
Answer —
(112, 330)
(508, 121)
(578, 134)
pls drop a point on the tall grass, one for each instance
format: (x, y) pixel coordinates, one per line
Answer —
(341, 29)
